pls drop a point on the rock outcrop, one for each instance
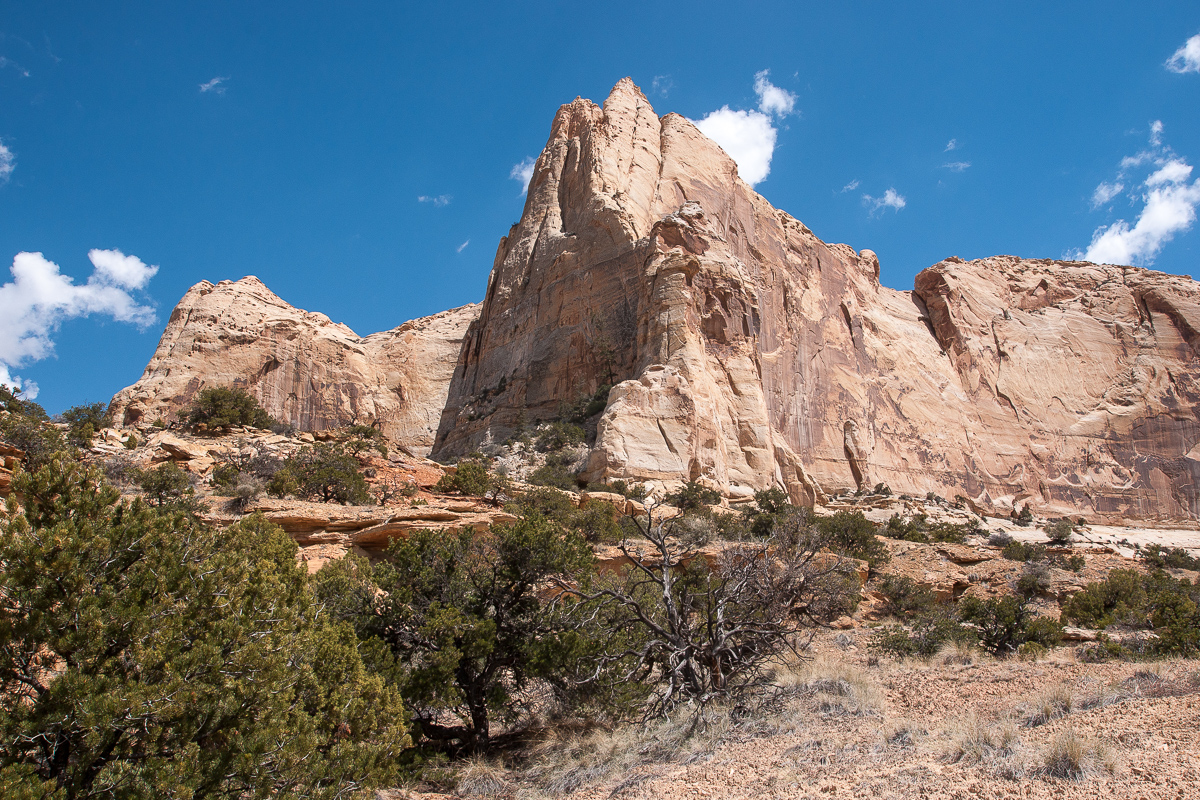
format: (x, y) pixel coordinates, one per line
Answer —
(305, 369)
(745, 352)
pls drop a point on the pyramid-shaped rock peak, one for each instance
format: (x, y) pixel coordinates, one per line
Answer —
(746, 353)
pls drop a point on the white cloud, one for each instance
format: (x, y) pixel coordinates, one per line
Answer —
(8, 162)
(1174, 171)
(772, 99)
(39, 298)
(462, 246)
(523, 172)
(749, 136)
(851, 186)
(662, 85)
(214, 86)
(951, 145)
(1105, 192)
(439, 201)
(891, 199)
(1186, 58)
(1169, 207)
(957, 166)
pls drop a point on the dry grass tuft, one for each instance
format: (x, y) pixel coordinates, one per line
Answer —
(1051, 704)
(837, 686)
(1071, 757)
(974, 740)
(479, 778)
(957, 654)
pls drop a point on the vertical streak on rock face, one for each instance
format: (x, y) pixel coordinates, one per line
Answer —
(742, 345)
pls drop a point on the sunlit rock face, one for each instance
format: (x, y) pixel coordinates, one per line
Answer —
(747, 353)
(305, 369)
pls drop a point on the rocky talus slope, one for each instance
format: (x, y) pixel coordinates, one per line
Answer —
(305, 369)
(743, 351)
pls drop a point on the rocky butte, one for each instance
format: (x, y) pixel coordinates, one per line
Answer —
(304, 368)
(743, 351)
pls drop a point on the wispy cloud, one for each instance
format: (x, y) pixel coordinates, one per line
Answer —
(662, 85)
(1168, 200)
(1105, 192)
(462, 246)
(439, 200)
(39, 298)
(891, 199)
(8, 162)
(8, 62)
(214, 86)
(851, 186)
(951, 145)
(957, 166)
(1187, 57)
(523, 172)
(749, 136)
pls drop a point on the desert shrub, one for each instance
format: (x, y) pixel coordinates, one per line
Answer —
(159, 423)
(130, 442)
(243, 494)
(904, 597)
(165, 484)
(32, 434)
(1025, 517)
(555, 472)
(324, 472)
(167, 657)
(1073, 562)
(1157, 601)
(692, 496)
(733, 527)
(918, 528)
(365, 437)
(559, 435)
(1000, 539)
(461, 613)
(223, 407)
(1005, 623)
(1119, 598)
(922, 638)
(587, 406)
(1160, 557)
(709, 631)
(596, 522)
(546, 501)
(121, 471)
(852, 534)
(1034, 578)
(10, 401)
(769, 505)
(1022, 551)
(1059, 531)
(470, 477)
(83, 421)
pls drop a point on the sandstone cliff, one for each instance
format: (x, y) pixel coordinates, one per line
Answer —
(746, 352)
(305, 369)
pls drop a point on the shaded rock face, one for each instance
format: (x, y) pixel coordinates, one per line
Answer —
(747, 353)
(305, 369)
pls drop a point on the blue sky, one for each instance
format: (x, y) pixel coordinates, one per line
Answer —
(303, 163)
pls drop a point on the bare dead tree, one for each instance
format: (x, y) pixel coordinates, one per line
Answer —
(692, 626)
